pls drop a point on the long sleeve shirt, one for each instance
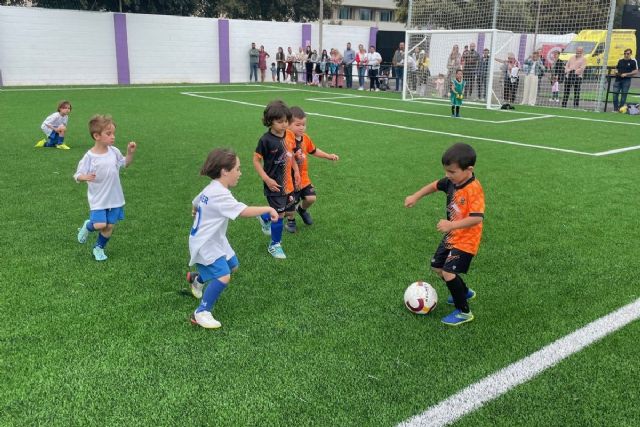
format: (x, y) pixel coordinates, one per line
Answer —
(577, 64)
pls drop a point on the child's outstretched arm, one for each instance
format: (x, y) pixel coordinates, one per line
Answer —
(252, 211)
(131, 150)
(323, 155)
(271, 183)
(410, 201)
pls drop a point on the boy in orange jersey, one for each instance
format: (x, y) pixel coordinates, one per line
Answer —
(462, 228)
(303, 147)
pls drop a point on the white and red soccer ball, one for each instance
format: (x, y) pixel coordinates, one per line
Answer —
(420, 298)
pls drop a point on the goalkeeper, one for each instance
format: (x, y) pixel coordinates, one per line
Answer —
(456, 91)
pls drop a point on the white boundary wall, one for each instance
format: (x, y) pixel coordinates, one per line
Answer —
(48, 46)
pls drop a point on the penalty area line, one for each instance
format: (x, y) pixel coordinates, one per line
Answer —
(478, 394)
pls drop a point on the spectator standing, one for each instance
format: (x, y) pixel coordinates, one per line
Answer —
(373, 60)
(280, 64)
(262, 62)
(322, 68)
(510, 68)
(482, 73)
(532, 69)
(423, 73)
(348, 58)
(453, 62)
(557, 67)
(301, 58)
(308, 65)
(361, 60)
(471, 59)
(398, 65)
(573, 72)
(627, 67)
(292, 73)
(253, 62)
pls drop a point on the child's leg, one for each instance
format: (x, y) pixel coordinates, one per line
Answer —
(52, 141)
(276, 229)
(457, 111)
(458, 291)
(307, 202)
(453, 110)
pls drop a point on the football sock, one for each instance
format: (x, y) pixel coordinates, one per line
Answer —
(265, 217)
(457, 288)
(453, 110)
(276, 231)
(211, 295)
(61, 140)
(102, 241)
(466, 288)
(90, 226)
(51, 141)
(457, 110)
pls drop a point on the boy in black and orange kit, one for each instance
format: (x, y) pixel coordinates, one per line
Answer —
(462, 228)
(304, 147)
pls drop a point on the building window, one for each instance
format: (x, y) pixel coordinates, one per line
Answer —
(365, 15)
(386, 15)
(345, 12)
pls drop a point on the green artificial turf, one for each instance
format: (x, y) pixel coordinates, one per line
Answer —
(321, 338)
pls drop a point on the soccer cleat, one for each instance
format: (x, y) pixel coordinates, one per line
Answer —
(471, 294)
(98, 254)
(40, 143)
(266, 226)
(83, 232)
(63, 147)
(457, 317)
(290, 226)
(306, 217)
(196, 286)
(276, 251)
(205, 319)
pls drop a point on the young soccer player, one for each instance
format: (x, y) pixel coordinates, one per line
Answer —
(273, 160)
(208, 245)
(55, 126)
(457, 89)
(100, 168)
(462, 229)
(303, 147)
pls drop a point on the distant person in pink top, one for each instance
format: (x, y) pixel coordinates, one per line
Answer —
(574, 71)
(262, 62)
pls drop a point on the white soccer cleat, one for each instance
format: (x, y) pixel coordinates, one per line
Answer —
(205, 319)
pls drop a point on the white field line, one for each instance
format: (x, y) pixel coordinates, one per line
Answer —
(617, 150)
(457, 135)
(420, 113)
(241, 91)
(495, 385)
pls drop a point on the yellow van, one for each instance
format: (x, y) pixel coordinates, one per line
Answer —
(593, 43)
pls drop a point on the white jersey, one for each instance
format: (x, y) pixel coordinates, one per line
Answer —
(215, 206)
(55, 120)
(374, 59)
(105, 192)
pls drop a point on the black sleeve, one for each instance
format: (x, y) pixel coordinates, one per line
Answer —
(443, 184)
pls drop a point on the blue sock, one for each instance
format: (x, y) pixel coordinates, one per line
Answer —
(51, 141)
(61, 140)
(211, 295)
(102, 241)
(276, 231)
(266, 217)
(90, 227)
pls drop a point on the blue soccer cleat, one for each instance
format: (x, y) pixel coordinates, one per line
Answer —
(471, 294)
(457, 317)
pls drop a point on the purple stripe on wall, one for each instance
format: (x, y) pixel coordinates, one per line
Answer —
(373, 35)
(0, 78)
(223, 50)
(523, 47)
(480, 43)
(306, 35)
(122, 48)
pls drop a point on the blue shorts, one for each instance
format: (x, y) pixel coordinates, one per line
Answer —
(219, 268)
(108, 216)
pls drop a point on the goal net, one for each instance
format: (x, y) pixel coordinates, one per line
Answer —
(511, 51)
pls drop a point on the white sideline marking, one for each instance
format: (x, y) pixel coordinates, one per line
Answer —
(476, 395)
(542, 147)
(618, 150)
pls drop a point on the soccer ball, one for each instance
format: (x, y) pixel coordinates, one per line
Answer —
(420, 298)
(623, 109)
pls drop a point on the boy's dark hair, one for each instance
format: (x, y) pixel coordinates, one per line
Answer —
(217, 160)
(275, 110)
(98, 123)
(63, 104)
(297, 113)
(462, 154)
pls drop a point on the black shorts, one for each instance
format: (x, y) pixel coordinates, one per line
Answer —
(309, 190)
(451, 260)
(282, 203)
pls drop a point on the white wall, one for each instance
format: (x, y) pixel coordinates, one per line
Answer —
(271, 35)
(48, 46)
(337, 36)
(172, 49)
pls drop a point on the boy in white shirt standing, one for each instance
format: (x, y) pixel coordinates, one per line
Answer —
(210, 250)
(100, 168)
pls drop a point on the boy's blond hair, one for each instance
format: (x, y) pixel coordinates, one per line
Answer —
(98, 123)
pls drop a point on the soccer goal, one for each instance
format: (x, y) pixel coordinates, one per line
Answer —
(520, 49)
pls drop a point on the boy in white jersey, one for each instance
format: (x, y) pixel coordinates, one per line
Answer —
(55, 126)
(100, 168)
(210, 250)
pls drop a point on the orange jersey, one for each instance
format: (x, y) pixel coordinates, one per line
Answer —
(462, 202)
(306, 147)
